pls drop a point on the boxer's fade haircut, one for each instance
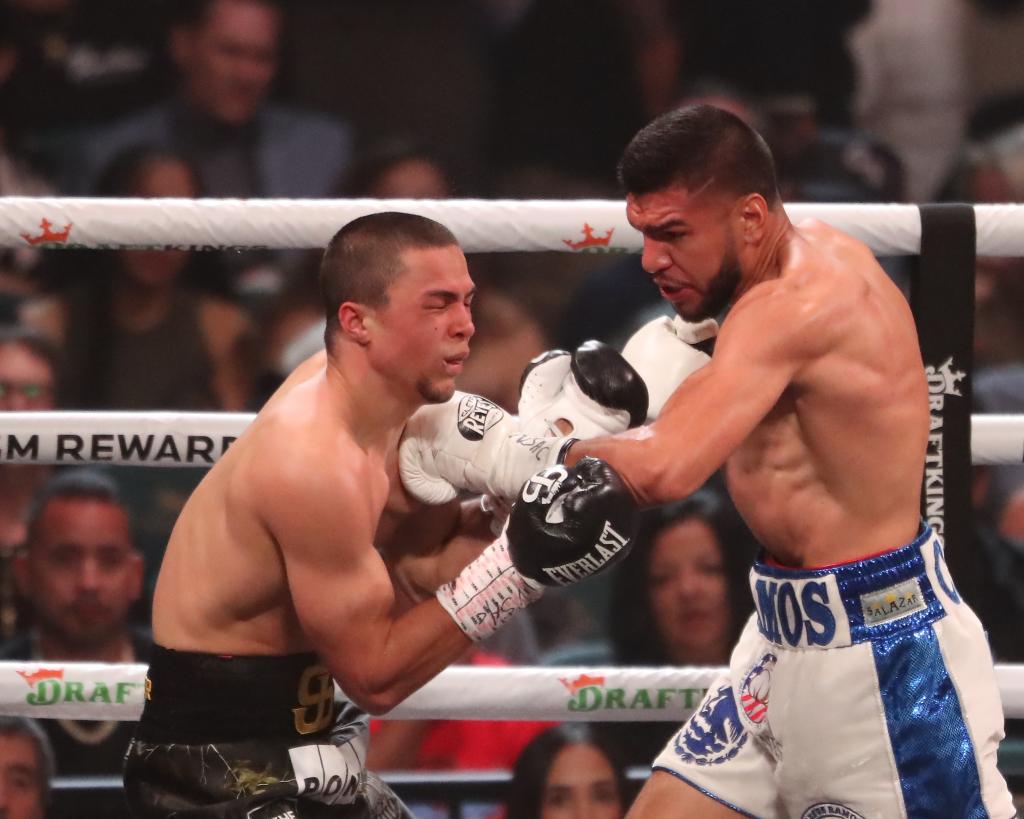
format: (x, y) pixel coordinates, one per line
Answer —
(365, 257)
(697, 145)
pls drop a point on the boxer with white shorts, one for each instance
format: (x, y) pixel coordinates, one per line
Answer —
(849, 697)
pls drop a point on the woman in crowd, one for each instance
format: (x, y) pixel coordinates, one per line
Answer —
(568, 772)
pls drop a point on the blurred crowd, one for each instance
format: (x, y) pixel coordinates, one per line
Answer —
(860, 100)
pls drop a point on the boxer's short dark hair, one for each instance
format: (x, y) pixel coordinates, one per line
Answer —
(365, 257)
(695, 146)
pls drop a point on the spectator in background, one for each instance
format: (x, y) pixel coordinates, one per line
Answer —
(81, 575)
(243, 145)
(566, 96)
(135, 335)
(26, 769)
(682, 599)
(566, 773)
(28, 381)
(800, 49)
(28, 378)
(67, 64)
(912, 83)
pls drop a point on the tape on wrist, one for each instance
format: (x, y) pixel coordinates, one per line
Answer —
(487, 593)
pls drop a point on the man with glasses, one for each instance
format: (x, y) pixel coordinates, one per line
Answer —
(28, 367)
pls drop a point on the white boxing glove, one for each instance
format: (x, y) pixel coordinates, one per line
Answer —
(472, 444)
(662, 352)
(594, 389)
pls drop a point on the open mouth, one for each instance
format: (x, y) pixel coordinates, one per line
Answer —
(453, 363)
(672, 291)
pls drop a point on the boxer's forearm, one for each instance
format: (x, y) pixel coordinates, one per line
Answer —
(647, 463)
(413, 649)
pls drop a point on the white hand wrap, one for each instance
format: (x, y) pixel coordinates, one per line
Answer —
(485, 594)
(469, 443)
(660, 351)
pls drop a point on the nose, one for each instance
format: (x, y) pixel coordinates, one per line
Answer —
(462, 323)
(654, 257)
(89, 574)
(688, 583)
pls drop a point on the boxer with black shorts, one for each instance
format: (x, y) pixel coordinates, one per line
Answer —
(300, 559)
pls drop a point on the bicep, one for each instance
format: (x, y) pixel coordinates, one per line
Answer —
(722, 403)
(339, 585)
(707, 417)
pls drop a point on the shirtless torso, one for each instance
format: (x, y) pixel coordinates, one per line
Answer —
(815, 403)
(281, 548)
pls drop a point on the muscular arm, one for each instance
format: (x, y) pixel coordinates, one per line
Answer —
(430, 545)
(342, 593)
(759, 350)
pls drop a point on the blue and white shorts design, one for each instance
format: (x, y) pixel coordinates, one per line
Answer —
(858, 691)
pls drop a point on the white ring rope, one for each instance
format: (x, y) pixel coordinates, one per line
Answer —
(98, 691)
(480, 225)
(200, 438)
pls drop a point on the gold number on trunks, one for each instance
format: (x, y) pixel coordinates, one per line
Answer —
(316, 691)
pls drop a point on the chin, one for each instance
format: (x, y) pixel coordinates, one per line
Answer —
(436, 392)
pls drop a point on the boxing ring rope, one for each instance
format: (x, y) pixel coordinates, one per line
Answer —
(115, 691)
(97, 691)
(584, 225)
(199, 438)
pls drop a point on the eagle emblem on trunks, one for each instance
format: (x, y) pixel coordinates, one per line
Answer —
(714, 734)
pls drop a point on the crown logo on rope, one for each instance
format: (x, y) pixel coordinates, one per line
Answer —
(582, 681)
(48, 235)
(589, 240)
(32, 677)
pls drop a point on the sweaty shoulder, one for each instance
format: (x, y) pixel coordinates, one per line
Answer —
(825, 276)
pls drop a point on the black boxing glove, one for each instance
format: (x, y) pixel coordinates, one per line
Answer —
(595, 389)
(567, 524)
(571, 523)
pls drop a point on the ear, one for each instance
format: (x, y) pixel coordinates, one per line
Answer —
(356, 322)
(752, 214)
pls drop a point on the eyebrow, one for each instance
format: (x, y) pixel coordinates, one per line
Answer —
(23, 768)
(447, 295)
(674, 222)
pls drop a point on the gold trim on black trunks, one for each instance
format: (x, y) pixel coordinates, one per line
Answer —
(316, 690)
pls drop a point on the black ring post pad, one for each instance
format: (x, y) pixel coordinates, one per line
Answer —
(942, 299)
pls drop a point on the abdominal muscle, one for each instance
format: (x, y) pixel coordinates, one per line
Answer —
(819, 495)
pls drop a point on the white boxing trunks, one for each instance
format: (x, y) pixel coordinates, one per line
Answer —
(858, 691)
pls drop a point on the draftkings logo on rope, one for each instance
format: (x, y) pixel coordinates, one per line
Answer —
(590, 243)
(48, 687)
(48, 235)
(590, 693)
(943, 381)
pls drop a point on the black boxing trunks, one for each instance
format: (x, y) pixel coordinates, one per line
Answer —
(226, 737)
